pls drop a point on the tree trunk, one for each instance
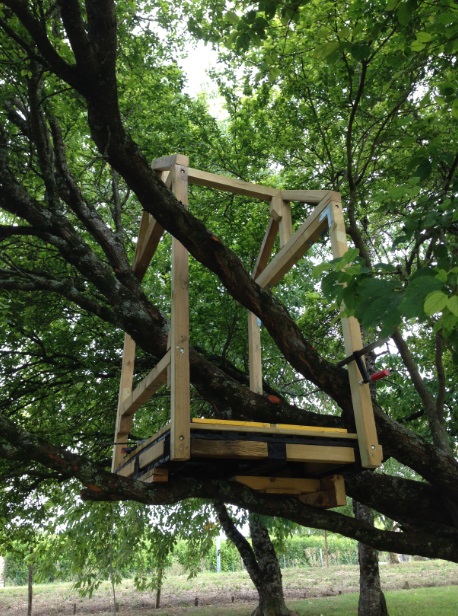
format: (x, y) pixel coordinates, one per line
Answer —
(260, 561)
(371, 598)
(160, 575)
(30, 587)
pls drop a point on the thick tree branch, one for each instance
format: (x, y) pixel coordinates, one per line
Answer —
(102, 485)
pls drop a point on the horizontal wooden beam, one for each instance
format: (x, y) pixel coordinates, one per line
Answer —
(242, 450)
(232, 185)
(166, 162)
(319, 453)
(127, 470)
(266, 428)
(147, 387)
(296, 247)
(203, 421)
(151, 454)
(279, 485)
(155, 475)
(313, 197)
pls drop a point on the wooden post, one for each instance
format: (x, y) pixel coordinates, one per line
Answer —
(286, 224)
(254, 353)
(125, 390)
(179, 334)
(369, 448)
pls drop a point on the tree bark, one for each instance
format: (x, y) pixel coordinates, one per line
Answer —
(371, 598)
(260, 561)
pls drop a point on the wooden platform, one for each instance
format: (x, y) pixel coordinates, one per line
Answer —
(278, 458)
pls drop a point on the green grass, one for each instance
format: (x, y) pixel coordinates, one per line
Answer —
(327, 591)
(416, 602)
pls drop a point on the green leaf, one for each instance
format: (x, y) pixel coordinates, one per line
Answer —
(424, 169)
(243, 41)
(404, 14)
(452, 304)
(318, 270)
(442, 275)
(422, 283)
(435, 302)
(360, 51)
(391, 5)
(424, 37)
(417, 46)
(455, 108)
(232, 17)
(326, 50)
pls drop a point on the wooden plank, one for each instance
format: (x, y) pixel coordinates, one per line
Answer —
(237, 187)
(296, 247)
(313, 197)
(142, 445)
(127, 470)
(229, 422)
(280, 429)
(148, 240)
(331, 495)
(164, 163)
(242, 450)
(147, 387)
(179, 335)
(319, 453)
(317, 429)
(266, 247)
(279, 485)
(254, 354)
(125, 389)
(370, 450)
(151, 454)
(155, 475)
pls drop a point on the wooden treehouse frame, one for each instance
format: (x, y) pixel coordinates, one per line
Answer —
(274, 458)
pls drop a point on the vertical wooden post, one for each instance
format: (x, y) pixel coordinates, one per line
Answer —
(286, 225)
(369, 448)
(125, 389)
(254, 353)
(179, 334)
